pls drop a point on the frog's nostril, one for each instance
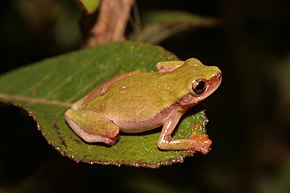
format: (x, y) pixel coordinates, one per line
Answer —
(218, 76)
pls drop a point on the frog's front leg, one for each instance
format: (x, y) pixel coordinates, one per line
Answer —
(166, 142)
(168, 66)
(92, 127)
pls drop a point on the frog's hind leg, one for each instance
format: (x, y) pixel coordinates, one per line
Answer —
(92, 127)
(101, 89)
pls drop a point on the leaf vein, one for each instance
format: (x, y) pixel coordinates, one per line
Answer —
(34, 100)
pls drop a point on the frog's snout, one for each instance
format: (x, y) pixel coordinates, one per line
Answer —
(218, 76)
(216, 79)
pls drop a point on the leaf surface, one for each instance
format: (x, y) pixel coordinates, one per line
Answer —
(162, 24)
(47, 88)
(89, 6)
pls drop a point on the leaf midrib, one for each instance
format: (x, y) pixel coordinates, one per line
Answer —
(34, 100)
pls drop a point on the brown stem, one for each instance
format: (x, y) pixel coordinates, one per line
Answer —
(111, 23)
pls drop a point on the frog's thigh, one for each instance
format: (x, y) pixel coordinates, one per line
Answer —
(92, 127)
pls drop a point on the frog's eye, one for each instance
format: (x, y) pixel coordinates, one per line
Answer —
(198, 86)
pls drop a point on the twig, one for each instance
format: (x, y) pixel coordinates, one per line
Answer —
(111, 23)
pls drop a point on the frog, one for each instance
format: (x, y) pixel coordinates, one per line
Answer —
(136, 102)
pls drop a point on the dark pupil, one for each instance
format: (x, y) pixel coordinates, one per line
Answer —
(200, 86)
(199, 89)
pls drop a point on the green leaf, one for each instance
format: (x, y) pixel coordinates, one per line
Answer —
(160, 25)
(49, 87)
(171, 17)
(90, 6)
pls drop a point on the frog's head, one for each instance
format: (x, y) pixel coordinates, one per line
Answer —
(202, 81)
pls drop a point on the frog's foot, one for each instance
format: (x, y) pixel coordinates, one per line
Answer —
(92, 127)
(202, 143)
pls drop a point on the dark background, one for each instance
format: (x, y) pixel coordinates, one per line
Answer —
(249, 114)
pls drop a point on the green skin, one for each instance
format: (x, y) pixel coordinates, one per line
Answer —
(140, 101)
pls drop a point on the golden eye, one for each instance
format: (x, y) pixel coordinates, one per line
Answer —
(198, 86)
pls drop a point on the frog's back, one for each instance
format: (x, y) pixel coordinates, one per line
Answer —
(139, 97)
(142, 96)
